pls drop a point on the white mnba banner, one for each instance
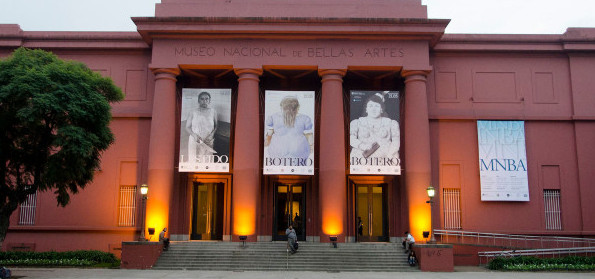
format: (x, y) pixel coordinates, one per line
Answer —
(289, 132)
(205, 130)
(502, 161)
(374, 133)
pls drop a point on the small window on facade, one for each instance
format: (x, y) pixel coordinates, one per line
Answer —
(27, 210)
(127, 207)
(451, 200)
(553, 212)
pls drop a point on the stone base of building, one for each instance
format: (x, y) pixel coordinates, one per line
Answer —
(140, 254)
(434, 257)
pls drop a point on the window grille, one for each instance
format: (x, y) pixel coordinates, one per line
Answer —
(452, 209)
(27, 210)
(127, 207)
(553, 212)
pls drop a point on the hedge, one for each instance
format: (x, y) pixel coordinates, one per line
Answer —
(524, 263)
(70, 258)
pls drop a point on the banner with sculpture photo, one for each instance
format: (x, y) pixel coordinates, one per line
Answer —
(289, 132)
(502, 161)
(374, 133)
(205, 130)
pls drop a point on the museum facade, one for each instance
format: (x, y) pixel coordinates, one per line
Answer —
(335, 117)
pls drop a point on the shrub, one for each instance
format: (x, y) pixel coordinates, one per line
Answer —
(71, 258)
(525, 263)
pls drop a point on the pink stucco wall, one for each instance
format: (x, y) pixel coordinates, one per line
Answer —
(545, 80)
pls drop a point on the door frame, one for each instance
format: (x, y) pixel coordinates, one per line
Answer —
(301, 236)
(353, 180)
(271, 183)
(210, 178)
(370, 202)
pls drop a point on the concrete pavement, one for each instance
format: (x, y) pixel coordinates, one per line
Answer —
(460, 273)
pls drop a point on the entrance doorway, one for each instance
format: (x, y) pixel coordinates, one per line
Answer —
(207, 211)
(290, 205)
(371, 207)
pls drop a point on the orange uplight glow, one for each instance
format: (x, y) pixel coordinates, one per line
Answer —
(419, 218)
(244, 220)
(332, 226)
(156, 217)
(420, 224)
(332, 219)
(332, 208)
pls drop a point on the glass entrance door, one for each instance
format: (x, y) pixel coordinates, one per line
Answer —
(371, 213)
(207, 211)
(289, 210)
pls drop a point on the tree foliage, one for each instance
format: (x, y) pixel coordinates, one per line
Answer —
(54, 124)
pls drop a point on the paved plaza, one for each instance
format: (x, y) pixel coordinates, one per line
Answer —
(460, 273)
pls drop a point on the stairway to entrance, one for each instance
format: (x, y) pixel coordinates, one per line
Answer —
(259, 256)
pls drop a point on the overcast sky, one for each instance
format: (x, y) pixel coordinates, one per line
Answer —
(467, 16)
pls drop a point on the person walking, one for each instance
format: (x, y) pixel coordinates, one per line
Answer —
(291, 239)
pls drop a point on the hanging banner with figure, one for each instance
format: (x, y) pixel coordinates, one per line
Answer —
(374, 133)
(289, 132)
(502, 161)
(205, 130)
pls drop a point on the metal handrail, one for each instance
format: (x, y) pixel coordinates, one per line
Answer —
(514, 240)
(534, 252)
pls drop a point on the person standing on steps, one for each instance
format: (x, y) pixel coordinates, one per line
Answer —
(360, 228)
(291, 239)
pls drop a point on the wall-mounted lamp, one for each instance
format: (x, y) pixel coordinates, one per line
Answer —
(431, 193)
(333, 239)
(243, 239)
(144, 189)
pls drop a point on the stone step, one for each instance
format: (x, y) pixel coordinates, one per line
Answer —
(273, 256)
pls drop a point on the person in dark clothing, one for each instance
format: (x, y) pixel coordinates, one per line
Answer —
(164, 239)
(412, 259)
(360, 228)
(291, 239)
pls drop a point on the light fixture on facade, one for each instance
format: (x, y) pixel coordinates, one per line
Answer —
(333, 239)
(431, 193)
(426, 234)
(243, 239)
(144, 190)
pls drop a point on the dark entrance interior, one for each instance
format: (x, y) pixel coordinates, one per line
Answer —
(207, 211)
(290, 205)
(371, 207)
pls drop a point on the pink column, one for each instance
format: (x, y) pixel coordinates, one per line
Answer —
(161, 150)
(332, 183)
(246, 168)
(417, 152)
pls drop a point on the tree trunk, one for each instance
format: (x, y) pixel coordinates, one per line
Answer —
(4, 223)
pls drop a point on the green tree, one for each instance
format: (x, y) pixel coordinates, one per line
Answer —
(54, 124)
